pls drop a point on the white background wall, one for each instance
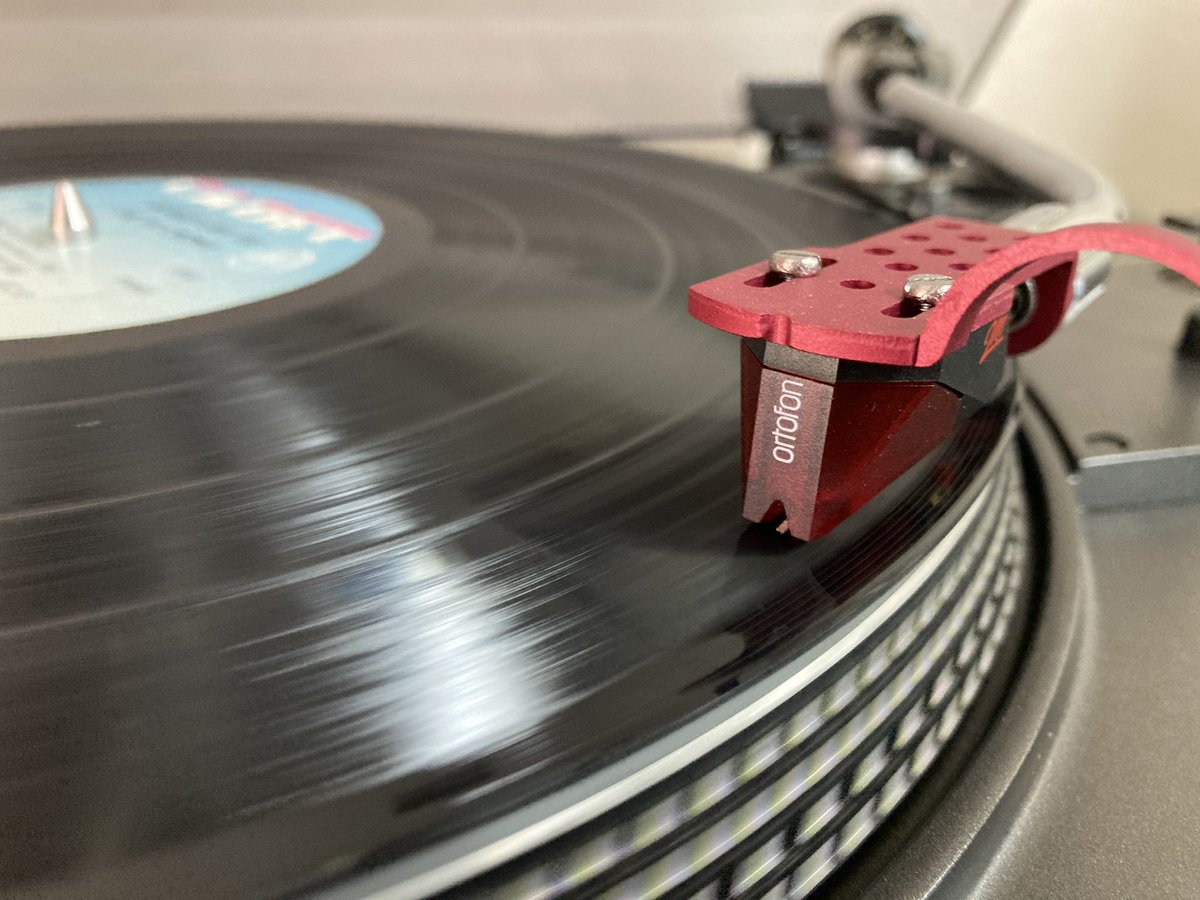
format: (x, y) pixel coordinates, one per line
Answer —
(1111, 80)
(557, 65)
(1114, 81)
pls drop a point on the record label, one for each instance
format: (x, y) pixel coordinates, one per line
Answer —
(165, 248)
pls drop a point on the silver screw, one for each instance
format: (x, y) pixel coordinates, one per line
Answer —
(795, 263)
(922, 292)
(69, 219)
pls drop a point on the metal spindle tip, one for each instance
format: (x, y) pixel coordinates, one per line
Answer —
(69, 218)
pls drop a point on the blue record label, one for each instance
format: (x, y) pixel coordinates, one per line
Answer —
(160, 249)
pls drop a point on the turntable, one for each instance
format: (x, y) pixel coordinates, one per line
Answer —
(372, 514)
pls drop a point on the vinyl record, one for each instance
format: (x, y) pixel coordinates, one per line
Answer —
(311, 558)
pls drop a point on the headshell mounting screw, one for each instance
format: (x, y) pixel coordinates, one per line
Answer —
(795, 263)
(922, 292)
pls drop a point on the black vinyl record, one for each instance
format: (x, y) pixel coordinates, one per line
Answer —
(351, 568)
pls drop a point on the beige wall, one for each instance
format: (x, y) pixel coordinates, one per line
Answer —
(1111, 80)
(556, 65)
(1114, 81)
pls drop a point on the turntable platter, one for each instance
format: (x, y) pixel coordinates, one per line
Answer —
(363, 564)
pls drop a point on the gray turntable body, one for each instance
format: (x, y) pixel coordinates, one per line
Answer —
(1085, 785)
